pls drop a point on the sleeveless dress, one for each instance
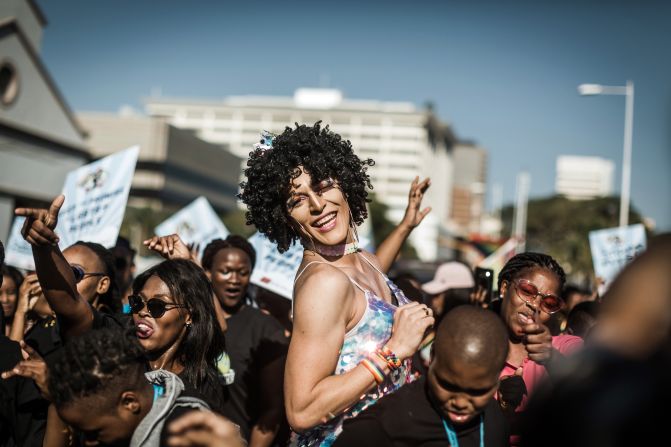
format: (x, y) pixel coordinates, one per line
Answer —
(371, 333)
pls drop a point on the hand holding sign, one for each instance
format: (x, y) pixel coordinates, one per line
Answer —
(38, 229)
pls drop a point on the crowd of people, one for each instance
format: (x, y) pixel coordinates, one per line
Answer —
(188, 353)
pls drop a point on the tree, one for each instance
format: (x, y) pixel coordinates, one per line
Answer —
(382, 227)
(560, 227)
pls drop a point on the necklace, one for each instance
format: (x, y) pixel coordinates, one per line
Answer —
(337, 250)
(452, 435)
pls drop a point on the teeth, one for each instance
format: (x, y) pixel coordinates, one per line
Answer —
(324, 219)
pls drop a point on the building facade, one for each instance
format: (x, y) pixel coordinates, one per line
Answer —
(582, 178)
(401, 138)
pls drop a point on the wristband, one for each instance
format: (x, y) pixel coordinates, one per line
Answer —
(389, 357)
(374, 370)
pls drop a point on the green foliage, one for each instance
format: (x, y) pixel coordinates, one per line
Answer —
(382, 227)
(236, 223)
(560, 227)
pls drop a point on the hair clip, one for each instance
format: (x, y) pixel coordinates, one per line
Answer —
(266, 142)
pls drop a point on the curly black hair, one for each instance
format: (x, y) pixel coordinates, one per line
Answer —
(97, 364)
(528, 261)
(321, 153)
(232, 241)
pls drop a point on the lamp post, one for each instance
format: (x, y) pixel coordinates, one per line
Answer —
(628, 92)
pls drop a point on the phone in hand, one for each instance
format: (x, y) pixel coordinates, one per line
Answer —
(484, 279)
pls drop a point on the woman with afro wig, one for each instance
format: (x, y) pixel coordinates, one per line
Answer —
(353, 329)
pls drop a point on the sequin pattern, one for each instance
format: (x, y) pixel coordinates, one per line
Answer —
(371, 333)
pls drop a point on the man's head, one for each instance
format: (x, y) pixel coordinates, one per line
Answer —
(98, 386)
(469, 351)
(452, 284)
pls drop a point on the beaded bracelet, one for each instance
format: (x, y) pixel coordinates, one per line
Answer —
(389, 357)
(374, 370)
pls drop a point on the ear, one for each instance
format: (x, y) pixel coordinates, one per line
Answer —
(129, 402)
(504, 288)
(208, 274)
(103, 285)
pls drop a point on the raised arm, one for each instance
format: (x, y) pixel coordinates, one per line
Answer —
(53, 271)
(389, 248)
(323, 305)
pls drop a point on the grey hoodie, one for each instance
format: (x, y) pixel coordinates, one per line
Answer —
(148, 433)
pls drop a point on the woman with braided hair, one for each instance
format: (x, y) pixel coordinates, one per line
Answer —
(353, 330)
(530, 285)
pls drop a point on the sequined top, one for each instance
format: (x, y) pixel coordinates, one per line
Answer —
(371, 333)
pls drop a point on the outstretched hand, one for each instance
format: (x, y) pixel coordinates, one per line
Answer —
(38, 229)
(413, 215)
(32, 367)
(169, 247)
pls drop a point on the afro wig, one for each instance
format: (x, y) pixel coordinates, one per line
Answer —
(322, 154)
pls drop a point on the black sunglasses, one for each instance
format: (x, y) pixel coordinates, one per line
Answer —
(80, 274)
(156, 308)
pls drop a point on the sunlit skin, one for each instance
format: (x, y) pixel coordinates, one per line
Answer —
(230, 274)
(461, 390)
(319, 210)
(108, 424)
(91, 286)
(8, 296)
(160, 337)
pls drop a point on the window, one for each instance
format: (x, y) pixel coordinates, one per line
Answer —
(9, 83)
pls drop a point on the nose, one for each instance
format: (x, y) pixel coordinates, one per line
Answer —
(460, 402)
(316, 203)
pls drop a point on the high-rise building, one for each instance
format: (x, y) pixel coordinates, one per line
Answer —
(469, 189)
(403, 140)
(581, 178)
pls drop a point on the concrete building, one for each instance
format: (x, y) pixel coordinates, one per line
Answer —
(469, 189)
(581, 178)
(403, 140)
(40, 140)
(174, 166)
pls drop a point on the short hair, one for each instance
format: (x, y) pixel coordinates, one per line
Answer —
(474, 335)
(204, 341)
(109, 299)
(528, 261)
(14, 273)
(570, 289)
(323, 154)
(232, 241)
(98, 364)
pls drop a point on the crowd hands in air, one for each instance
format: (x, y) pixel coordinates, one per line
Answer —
(187, 354)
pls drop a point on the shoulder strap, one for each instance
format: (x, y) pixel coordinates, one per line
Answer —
(398, 293)
(298, 275)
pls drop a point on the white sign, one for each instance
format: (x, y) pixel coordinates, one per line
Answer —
(19, 252)
(197, 223)
(613, 248)
(95, 202)
(275, 271)
(95, 199)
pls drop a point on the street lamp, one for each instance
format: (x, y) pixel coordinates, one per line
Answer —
(628, 92)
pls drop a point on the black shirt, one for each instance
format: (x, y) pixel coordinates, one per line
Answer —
(407, 418)
(253, 340)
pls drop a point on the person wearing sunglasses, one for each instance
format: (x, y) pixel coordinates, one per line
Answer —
(95, 273)
(530, 285)
(180, 335)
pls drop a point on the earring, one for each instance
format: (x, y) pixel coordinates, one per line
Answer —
(188, 324)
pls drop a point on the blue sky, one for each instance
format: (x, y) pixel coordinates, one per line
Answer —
(504, 74)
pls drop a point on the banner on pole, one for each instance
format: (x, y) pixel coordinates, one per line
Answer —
(275, 271)
(196, 223)
(613, 248)
(95, 199)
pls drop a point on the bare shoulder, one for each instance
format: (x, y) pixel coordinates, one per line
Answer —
(324, 293)
(371, 257)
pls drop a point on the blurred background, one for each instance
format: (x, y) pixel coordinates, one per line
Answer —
(480, 96)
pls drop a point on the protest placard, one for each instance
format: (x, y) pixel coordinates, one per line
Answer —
(95, 199)
(95, 202)
(613, 248)
(196, 223)
(275, 271)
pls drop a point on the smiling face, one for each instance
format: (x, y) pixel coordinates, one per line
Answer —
(230, 273)
(515, 311)
(319, 210)
(461, 389)
(91, 286)
(8, 295)
(157, 335)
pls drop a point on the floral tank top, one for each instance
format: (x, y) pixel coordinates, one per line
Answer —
(371, 333)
